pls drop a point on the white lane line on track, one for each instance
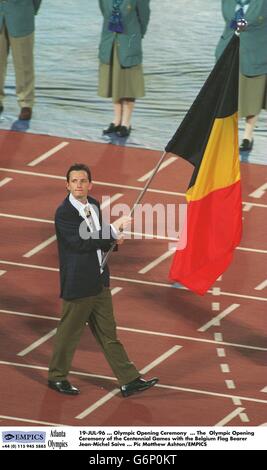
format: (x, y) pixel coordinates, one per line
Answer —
(134, 281)
(115, 290)
(162, 166)
(5, 181)
(30, 219)
(225, 368)
(215, 306)
(37, 343)
(145, 332)
(218, 337)
(221, 352)
(167, 387)
(261, 286)
(251, 250)
(218, 318)
(33, 421)
(40, 247)
(157, 261)
(230, 417)
(34, 266)
(259, 192)
(161, 358)
(247, 207)
(216, 291)
(114, 185)
(230, 384)
(48, 154)
(98, 403)
(244, 417)
(114, 392)
(237, 401)
(31, 315)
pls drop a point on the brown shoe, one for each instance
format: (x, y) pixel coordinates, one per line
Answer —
(25, 114)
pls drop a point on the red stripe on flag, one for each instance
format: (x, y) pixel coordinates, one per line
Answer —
(214, 227)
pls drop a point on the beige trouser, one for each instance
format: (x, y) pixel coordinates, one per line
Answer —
(97, 310)
(22, 53)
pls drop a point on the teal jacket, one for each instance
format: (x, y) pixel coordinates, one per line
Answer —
(135, 18)
(253, 41)
(18, 16)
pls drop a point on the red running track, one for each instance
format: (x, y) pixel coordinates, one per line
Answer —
(209, 353)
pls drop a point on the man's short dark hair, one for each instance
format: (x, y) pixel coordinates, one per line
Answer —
(79, 167)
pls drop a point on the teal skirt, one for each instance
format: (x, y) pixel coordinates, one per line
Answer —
(118, 82)
(252, 95)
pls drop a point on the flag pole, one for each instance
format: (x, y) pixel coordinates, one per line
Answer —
(140, 197)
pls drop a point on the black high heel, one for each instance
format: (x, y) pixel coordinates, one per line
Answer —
(124, 131)
(246, 145)
(112, 129)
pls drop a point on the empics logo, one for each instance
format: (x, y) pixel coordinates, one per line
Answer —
(21, 436)
(8, 437)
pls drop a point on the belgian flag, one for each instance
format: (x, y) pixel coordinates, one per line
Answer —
(208, 139)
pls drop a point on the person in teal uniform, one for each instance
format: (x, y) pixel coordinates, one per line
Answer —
(253, 59)
(17, 34)
(120, 55)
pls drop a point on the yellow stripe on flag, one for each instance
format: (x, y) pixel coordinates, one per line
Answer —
(220, 164)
